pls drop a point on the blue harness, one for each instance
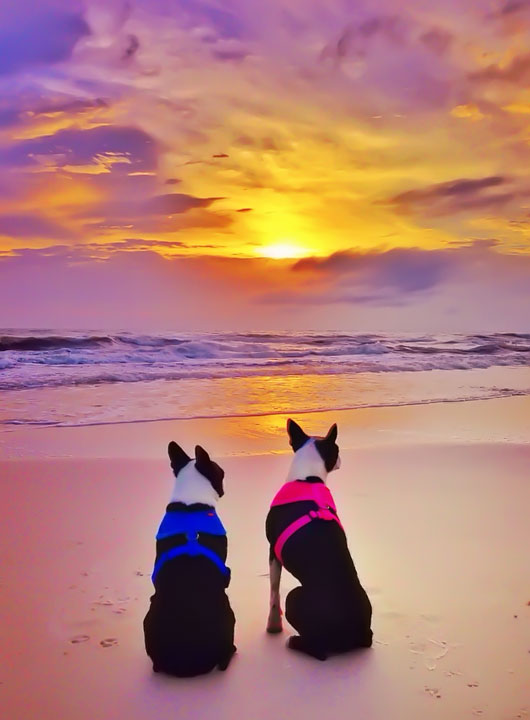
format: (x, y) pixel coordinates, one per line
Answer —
(176, 522)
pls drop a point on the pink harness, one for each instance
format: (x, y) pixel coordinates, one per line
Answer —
(296, 491)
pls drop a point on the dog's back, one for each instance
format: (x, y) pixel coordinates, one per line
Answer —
(189, 628)
(316, 554)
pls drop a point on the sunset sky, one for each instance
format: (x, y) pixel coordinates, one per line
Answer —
(234, 164)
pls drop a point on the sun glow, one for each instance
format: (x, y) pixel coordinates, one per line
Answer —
(282, 250)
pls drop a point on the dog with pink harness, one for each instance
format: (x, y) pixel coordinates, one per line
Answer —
(330, 609)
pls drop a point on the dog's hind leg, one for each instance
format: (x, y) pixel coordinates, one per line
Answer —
(301, 644)
(304, 613)
(274, 622)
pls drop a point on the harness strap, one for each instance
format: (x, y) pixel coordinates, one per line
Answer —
(193, 548)
(320, 514)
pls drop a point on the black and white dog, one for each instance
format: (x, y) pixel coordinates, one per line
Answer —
(189, 628)
(330, 609)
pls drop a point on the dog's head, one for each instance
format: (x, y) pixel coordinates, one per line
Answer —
(203, 467)
(315, 455)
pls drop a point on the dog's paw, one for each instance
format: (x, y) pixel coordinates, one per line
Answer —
(273, 628)
(274, 622)
(300, 645)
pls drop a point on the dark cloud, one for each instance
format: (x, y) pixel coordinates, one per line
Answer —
(161, 213)
(26, 107)
(245, 140)
(174, 203)
(133, 45)
(397, 70)
(226, 23)
(31, 226)
(354, 38)
(135, 243)
(82, 252)
(34, 35)
(8, 117)
(265, 143)
(230, 54)
(172, 181)
(454, 196)
(222, 22)
(80, 147)
(437, 40)
(453, 187)
(391, 26)
(374, 276)
(220, 155)
(68, 107)
(512, 7)
(517, 72)
(397, 277)
(244, 210)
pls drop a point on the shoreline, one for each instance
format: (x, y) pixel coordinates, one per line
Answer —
(496, 420)
(253, 396)
(228, 416)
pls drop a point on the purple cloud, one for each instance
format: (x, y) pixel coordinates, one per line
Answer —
(80, 147)
(28, 226)
(371, 277)
(133, 45)
(170, 212)
(174, 203)
(355, 37)
(454, 196)
(25, 108)
(33, 35)
(437, 40)
(123, 211)
(513, 7)
(398, 277)
(8, 117)
(225, 23)
(517, 72)
(231, 54)
(91, 251)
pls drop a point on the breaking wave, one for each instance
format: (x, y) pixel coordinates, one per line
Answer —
(75, 358)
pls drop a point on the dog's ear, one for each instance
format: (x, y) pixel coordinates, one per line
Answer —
(177, 457)
(297, 436)
(210, 469)
(331, 437)
(328, 449)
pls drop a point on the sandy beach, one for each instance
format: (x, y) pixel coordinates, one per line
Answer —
(435, 503)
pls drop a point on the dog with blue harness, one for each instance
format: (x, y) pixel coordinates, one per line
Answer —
(189, 628)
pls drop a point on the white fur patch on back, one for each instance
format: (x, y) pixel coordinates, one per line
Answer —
(192, 487)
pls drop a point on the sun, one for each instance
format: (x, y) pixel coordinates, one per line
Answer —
(282, 250)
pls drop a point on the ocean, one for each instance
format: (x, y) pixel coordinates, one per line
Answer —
(81, 378)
